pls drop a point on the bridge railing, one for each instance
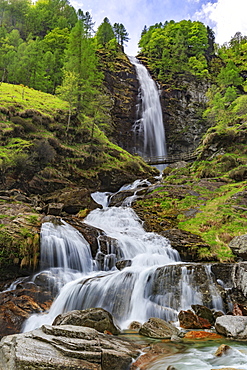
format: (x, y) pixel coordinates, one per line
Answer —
(170, 158)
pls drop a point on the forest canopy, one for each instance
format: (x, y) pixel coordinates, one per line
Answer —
(49, 46)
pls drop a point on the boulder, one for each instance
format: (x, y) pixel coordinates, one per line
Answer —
(120, 265)
(94, 236)
(118, 198)
(239, 310)
(66, 347)
(96, 318)
(151, 356)
(238, 246)
(70, 201)
(135, 325)
(222, 350)
(234, 327)
(55, 209)
(201, 335)
(188, 320)
(18, 304)
(158, 328)
(204, 312)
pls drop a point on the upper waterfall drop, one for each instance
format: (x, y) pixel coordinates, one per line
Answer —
(149, 127)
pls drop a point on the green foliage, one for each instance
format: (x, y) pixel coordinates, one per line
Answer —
(120, 33)
(175, 48)
(105, 32)
(10, 152)
(82, 65)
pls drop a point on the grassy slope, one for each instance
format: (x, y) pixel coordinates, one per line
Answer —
(82, 151)
(39, 155)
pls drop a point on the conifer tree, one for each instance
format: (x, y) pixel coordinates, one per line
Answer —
(120, 33)
(105, 32)
(83, 63)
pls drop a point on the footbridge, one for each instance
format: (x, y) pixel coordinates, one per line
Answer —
(168, 159)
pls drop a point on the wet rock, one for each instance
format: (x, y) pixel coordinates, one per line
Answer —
(96, 318)
(217, 314)
(222, 350)
(239, 310)
(238, 246)
(17, 305)
(120, 265)
(158, 328)
(227, 368)
(66, 347)
(204, 312)
(118, 198)
(186, 243)
(55, 209)
(188, 320)
(170, 280)
(135, 325)
(153, 353)
(201, 335)
(234, 327)
(93, 236)
(73, 200)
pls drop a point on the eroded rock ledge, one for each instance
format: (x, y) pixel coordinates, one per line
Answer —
(66, 347)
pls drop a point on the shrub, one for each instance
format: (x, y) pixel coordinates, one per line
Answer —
(44, 152)
(239, 173)
(27, 126)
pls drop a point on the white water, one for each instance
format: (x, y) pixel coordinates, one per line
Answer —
(128, 294)
(149, 128)
(201, 357)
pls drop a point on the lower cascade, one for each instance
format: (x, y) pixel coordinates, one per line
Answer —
(153, 283)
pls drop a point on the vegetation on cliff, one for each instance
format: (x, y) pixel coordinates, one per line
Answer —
(40, 155)
(207, 197)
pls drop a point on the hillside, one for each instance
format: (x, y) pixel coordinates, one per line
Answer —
(48, 166)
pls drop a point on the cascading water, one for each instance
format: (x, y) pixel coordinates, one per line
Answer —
(153, 283)
(149, 127)
(136, 292)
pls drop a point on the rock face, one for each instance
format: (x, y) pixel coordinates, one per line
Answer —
(96, 318)
(238, 246)
(184, 124)
(18, 304)
(204, 312)
(158, 328)
(188, 320)
(122, 84)
(66, 347)
(234, 327)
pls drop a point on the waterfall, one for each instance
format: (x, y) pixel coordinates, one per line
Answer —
(149, 127)
(154, 282)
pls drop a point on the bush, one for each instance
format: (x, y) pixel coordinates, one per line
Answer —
(27, 126)
(239, 173)
(44, 152)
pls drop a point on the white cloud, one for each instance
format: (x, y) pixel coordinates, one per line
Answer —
(226, 17)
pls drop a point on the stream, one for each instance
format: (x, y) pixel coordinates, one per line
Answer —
(153, 282)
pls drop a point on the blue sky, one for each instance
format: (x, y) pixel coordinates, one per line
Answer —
(225, 17)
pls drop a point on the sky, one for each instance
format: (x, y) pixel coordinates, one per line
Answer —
(225, 17)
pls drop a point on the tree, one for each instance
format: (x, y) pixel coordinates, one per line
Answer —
(229, 76)
(83, 63)
(105, 32)
(54, 45)
(87, 22)
(68, 92)
(120, 33)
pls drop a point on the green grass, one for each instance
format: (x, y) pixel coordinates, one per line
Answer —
(218, 222)
(22, 97)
